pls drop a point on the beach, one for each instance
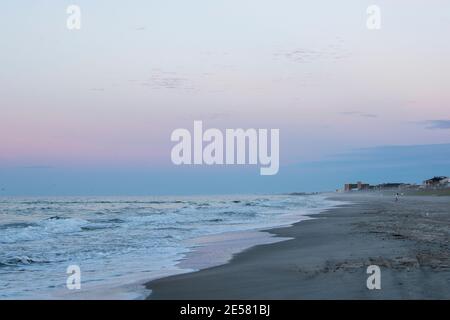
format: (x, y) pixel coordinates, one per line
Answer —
(327, 257)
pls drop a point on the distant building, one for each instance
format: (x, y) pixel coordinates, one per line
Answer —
(359, 186)
(350, 187)
(437, 182)
(363, 186)
(391, 186)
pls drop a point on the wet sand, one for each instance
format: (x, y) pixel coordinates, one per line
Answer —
(327, 257)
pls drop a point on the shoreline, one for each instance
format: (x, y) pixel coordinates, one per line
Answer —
(327, 256)
(218, 249)
(188, 234)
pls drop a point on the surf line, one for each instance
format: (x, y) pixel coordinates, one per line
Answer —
(236, 146)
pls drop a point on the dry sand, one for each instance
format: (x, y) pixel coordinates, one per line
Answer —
(328, 256)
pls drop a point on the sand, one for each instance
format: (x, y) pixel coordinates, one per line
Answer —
(327, 257)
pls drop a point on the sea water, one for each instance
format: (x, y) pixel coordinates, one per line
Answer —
(120, 242)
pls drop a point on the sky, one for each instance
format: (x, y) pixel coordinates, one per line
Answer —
(91, 111)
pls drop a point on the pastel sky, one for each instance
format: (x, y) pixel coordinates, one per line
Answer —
(100, 102)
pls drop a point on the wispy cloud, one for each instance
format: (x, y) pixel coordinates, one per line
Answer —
(332, 52)
(311, 55)
(167, 80)
(97, 89)
(359, 114)
(436, 124)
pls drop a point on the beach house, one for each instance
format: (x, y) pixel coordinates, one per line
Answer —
(437, 182)
(359, 186)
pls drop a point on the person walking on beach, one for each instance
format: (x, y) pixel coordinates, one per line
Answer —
(396, 196)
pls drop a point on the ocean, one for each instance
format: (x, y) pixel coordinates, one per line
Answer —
(119, 243)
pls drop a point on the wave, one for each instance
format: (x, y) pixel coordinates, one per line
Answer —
(42, 229)
(16, 225)
(21, 261)
(119, 237)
